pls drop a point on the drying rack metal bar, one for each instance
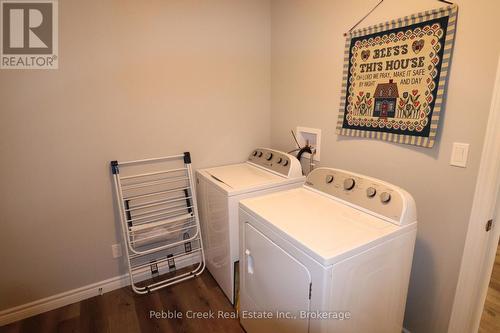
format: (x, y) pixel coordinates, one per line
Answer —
(156, 229)
(168, 282)
(169, 208)
(158, 212)
(141, 256)
(167, 231)
(128, 187)
(163, 234)
(165, 259)
(155, 203)
(152, 160)
(141, 227)
(153, 173)
(156, 193)
(160, 248)
(161, 218)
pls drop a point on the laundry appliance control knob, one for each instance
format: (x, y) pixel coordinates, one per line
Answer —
(285, 162)
(259, 154)
(385, 197)
(280, 160)
(349, 184)
(370, 192)
(269, 156)
(329, 179)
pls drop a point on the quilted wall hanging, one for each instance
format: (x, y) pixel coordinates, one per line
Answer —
(395, 76)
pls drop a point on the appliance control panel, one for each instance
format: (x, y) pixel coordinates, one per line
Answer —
(370, 194)
(276, 161)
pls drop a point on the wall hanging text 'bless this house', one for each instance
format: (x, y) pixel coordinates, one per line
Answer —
(395, 76)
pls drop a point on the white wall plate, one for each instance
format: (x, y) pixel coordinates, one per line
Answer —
(313, 135)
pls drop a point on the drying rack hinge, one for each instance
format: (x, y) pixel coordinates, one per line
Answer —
(114, 167)
(171, 262)
(188, 202)
(154, 269)
(187, 246)
(127, 210)
(187, 157)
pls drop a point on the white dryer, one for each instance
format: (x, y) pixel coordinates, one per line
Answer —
(219, 190)
(332, 256)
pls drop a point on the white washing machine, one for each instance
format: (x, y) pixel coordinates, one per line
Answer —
(332, 256)
(220, 189)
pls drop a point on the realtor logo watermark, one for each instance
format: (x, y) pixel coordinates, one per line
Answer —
(29, 34)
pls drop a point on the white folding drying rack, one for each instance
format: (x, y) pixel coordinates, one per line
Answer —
(159, 218)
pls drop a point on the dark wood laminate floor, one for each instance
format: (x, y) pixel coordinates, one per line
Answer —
(123, 311)
(490, 320)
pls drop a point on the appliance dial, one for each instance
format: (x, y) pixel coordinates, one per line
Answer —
(285, 162)
(280, 160)
(269, 156)
(385, 197)
(370, 192)
(259, 154)
(329, 179)
(349, 184)
(254, 153)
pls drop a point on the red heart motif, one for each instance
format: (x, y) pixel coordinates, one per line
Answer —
(417, 45)
(417, 103)
(365, 55)
(414, 92)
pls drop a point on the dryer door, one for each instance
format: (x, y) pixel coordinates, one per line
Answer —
(274, 284)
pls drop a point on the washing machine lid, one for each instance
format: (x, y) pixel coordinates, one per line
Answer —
(325, 229)
(243, 176)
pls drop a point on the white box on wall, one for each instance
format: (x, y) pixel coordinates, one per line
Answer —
(311, 135)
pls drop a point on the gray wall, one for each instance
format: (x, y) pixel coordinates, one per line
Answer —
(307, 55)
(137, 79)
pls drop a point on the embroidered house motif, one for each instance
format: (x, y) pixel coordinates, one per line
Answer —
(386, 95)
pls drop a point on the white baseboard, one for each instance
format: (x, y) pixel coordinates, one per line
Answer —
(76, 295)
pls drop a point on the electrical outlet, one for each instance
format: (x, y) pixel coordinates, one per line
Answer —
(116, 250)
